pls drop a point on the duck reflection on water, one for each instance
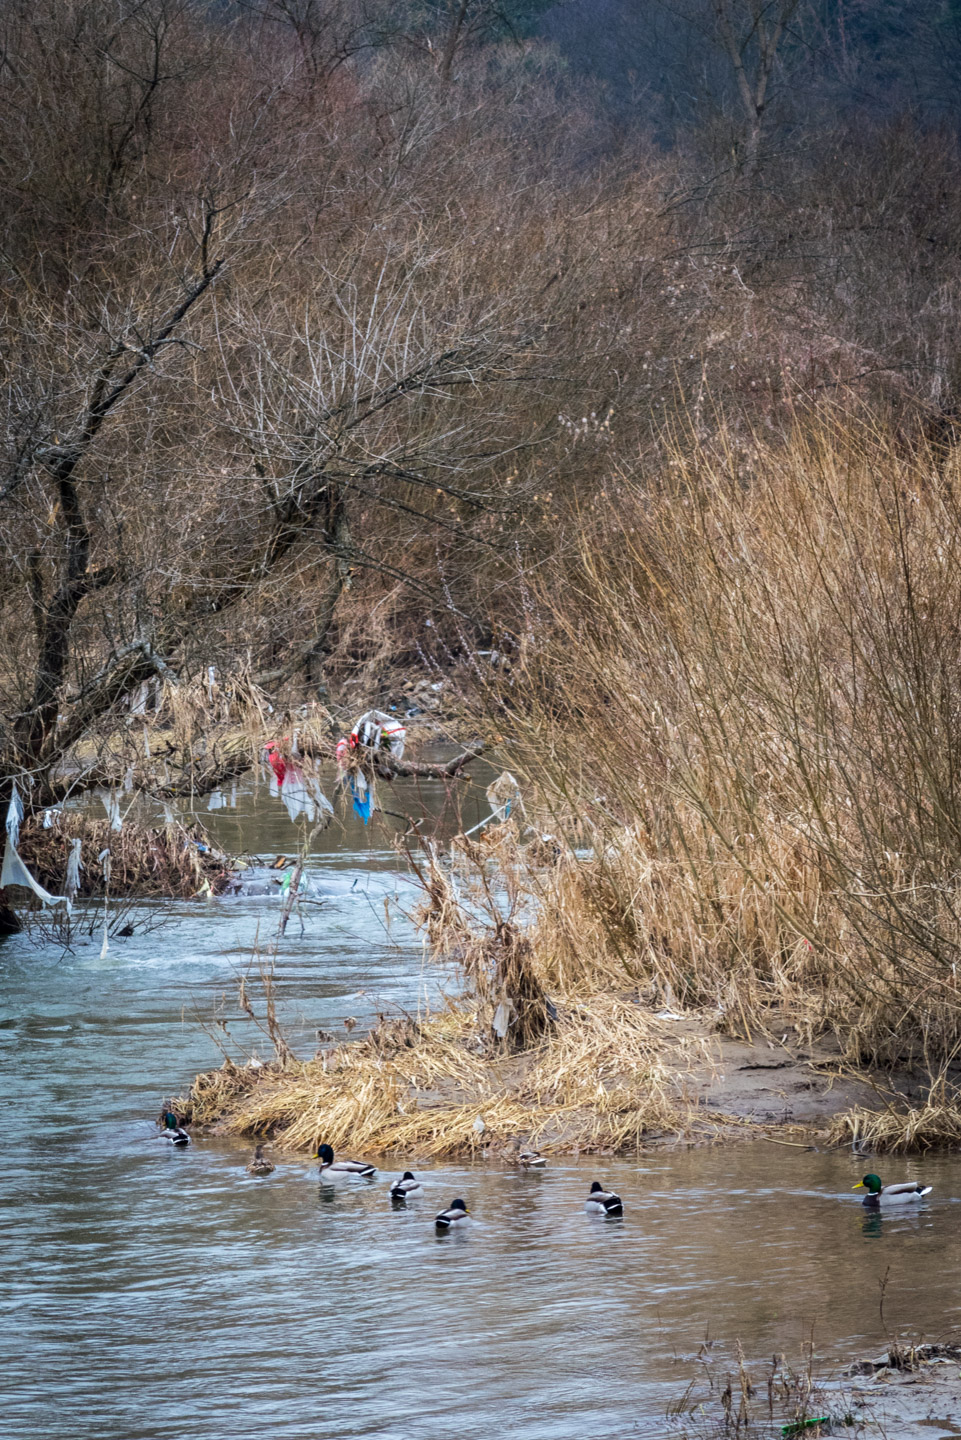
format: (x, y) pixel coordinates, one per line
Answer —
(875, 1222)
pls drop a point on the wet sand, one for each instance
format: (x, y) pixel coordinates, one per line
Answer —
(775, 1080)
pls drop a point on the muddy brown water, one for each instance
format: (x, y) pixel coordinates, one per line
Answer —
(154, 1293)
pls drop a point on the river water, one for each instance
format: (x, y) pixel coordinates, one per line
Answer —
(148, 1292)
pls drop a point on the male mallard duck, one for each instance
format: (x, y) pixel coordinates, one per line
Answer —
(531, 1159)
(405, 1186)
(331, 1167)
(879, 1194)
(260, 1165)
(603, 1202)
(173, 1130)
(455, 1214)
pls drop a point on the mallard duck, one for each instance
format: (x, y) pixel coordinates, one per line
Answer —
(603, 1202)
(405, 1186)
(879, 1194)
(455, 1214)
(173, 1130)
(329, 1167)
(260, 1165)
(531, 1159)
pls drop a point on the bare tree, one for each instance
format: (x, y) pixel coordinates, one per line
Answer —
(751, 32)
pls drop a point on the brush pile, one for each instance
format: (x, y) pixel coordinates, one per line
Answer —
(166, 862)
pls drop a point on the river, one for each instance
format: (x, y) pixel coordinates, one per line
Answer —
(149, 1292)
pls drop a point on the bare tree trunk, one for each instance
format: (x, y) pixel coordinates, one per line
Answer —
(453, 38)
(762, 23)
(35, 726)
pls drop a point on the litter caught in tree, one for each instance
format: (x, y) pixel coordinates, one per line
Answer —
(376, 735)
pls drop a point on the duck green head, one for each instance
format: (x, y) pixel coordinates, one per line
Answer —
(170, 1121)
(870, 1183)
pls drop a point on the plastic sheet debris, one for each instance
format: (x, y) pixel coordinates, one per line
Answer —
(376, 730)
(277, 764)
(139, 698)
(303, 796)
(300, 791)
(13, 870)
(110, 801)
(502, 1019)
(288, 880)
(215, 800)
(71, 883)
(375, 733)
(14, 816)
(503, 796)
(362, 793)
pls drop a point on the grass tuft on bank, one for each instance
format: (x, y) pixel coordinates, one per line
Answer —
(442, 1088)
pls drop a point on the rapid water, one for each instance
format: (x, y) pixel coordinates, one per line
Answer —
(148, 1292)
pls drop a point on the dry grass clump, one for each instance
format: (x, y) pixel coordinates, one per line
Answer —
(160, 862)
(625, 915)
(894, 1129)
(733, 1397)
(444, 1087)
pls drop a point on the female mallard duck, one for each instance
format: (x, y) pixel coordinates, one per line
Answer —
(331, 1168)
(879, 1194)
(531, 1159)
(173, 1130)
(260, 1165)
(603, 1202)
(407, 1185)
(455, 1214)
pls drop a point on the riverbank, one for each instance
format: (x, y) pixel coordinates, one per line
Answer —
(612, 1076)
(912, 1392)
(915, 1398)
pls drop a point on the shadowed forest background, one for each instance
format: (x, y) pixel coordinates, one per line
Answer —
(622, 340)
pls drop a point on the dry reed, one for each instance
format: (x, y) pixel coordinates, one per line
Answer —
(897, 1129)
(746, 694)
(430, 1090)
(589, 1075)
